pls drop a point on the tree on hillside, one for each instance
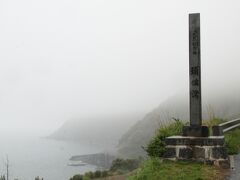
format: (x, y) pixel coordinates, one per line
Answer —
(38, 178)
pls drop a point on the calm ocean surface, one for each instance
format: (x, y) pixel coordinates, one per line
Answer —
(31, 157)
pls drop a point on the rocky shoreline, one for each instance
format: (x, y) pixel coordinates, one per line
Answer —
(101, 160)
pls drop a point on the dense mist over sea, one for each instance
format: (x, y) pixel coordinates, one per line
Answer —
(74, 71)
(31, 156)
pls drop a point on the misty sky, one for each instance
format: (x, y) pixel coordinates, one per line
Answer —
(62, 59)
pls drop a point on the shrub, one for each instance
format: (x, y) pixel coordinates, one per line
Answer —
(154, 169)
(97, 174)
(89, 174)
(38, 178)
(104, 174)
(125, 165)
(156, 147)
(77, 177)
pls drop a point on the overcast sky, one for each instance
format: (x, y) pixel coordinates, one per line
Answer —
(62, 59)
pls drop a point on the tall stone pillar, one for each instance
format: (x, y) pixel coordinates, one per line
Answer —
(195, 128)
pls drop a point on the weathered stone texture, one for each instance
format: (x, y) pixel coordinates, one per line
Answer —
(195, 141)
(170, 153)
(196, 131)
(219, 153)
(185, 153)
(199, 152)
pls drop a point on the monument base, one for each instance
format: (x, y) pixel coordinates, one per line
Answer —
(209, 150)
(196, 131)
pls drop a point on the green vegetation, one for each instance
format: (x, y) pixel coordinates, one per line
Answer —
(214, 121)
(77, 177)
(119, 166)
(38, 178)
(232, 141)
(125, 165)
(90, 175)
(156, 147)
(154, 169)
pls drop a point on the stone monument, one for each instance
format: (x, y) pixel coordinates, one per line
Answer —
(195, 142)
(195, 129)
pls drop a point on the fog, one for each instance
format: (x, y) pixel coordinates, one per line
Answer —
(63, 59)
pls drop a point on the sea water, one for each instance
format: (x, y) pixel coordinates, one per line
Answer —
(30, 157)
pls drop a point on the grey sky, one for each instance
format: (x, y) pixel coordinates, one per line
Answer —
(61, 59)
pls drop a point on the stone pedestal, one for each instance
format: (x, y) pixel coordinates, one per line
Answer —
(209, 150)
(196, 144)
(196, 131)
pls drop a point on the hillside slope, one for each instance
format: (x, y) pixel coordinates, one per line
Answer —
(224, 105)
(104, 130)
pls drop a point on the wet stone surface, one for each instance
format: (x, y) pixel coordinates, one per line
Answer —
(192, 141)
(235, 174)
(199, 152)
(170, 153)
(185, 153)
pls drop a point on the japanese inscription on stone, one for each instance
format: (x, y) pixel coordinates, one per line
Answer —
(195, 70)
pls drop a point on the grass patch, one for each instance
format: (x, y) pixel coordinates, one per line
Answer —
(232, 141)
(119, 167)
(123, 166)
(154, 169)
